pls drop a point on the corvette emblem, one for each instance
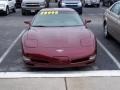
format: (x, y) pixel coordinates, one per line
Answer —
(59, 50)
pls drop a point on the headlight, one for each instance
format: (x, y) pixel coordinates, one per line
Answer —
(63, 4)
(79, 4)
(26, 59)
(2, 5)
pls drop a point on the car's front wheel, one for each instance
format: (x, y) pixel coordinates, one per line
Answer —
(24, 12)
(7, 11)
(14, 9)
(98, 5)
(106, 33)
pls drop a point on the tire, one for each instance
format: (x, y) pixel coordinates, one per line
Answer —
(23, 12)
(80, 12)
(14, 9)
(7, 11)
(98, 5)
(59, 4)
(106, 33)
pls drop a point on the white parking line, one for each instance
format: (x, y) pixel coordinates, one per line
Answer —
(100, 73)
(10, 47)
(109, 54)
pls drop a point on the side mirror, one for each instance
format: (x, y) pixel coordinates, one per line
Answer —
(28, 23)
(87, 21)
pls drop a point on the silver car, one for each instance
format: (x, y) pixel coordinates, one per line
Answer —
(111, 21)
(91, 2)
(32, 5)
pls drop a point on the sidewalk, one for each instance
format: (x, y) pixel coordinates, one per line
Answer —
(81, 83)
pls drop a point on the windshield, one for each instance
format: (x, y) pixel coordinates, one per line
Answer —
(57, 19)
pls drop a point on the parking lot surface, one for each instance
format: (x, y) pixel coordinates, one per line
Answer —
(12, 28)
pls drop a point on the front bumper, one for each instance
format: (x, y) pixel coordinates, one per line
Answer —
(64, 64)
(91, 3)
(78, 9)
(2, 9)
(32, 8)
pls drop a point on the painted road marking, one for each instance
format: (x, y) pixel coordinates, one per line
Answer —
(109, 54)
(107, 73)
(10, 47)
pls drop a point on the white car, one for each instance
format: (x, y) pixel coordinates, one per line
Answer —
(74, 4)
(91, 2)
(7, 5)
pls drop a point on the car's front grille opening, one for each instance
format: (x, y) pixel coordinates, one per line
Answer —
(32, 4)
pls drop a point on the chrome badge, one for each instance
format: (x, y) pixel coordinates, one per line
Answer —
(59, 50)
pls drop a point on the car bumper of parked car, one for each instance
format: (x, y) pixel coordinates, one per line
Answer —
(32, 8)
(2, 9)
(62, 64)
(91, 3)
(78, 9)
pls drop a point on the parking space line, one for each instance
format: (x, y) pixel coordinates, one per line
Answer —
(109, 54)
(10, 47)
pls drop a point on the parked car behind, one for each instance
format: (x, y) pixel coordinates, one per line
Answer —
(111, 21)
(91, 3)
(32, 6)
(7, 5)
(75, 4)
(108, 2)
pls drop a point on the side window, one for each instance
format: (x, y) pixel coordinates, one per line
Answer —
(116, 9)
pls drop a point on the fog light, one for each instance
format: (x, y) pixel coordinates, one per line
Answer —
(92, 57)
(26, 59)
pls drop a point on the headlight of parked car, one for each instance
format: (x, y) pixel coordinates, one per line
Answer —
(63, 4)
(79, 4)
(2, 5)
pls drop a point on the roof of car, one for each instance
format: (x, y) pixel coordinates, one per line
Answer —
(57, 9)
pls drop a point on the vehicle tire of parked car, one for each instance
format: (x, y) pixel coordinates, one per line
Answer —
(106, 33)
(80, 12)
(7, 11)
(98, 5)
(24, 12)
(59, 4)
(14, 9)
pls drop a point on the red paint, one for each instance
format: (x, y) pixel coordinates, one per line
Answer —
(58, 47)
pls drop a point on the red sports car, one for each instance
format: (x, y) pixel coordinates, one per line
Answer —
(58, 38)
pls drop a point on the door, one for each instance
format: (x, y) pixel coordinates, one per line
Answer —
(113, 21)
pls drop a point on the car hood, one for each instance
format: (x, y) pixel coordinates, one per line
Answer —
(58, 37)
(3, 2)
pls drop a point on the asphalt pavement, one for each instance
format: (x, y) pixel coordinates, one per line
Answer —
(14, 74)
(12, 28)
